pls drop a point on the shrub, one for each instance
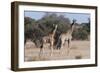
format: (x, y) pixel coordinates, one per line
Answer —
(80, 34)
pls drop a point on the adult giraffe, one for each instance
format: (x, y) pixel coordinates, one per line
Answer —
(51, 39)
(67, 36)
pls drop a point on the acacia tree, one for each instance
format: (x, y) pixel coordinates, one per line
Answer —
(45, 25)
(28, 28)
(47, 21)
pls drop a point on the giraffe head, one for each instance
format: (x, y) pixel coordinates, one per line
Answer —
(56, 26)
(72, 25)
(74, 21)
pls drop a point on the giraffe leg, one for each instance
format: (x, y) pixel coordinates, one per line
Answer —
(69, 46)
(40, 54)
(62, 46)
(51, 47)
(51, 51)
(41, 51)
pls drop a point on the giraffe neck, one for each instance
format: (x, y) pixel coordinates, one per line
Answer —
(55, 30)
(72, 28)
(70, 31)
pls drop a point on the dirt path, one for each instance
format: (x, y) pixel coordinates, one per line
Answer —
(79, 50)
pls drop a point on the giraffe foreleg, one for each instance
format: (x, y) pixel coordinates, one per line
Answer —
(69, 46)
(62, 45)
(51, 47)
(41, 50)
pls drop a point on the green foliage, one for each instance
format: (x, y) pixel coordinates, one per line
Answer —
(87, 27)
(28, 22)
(49, 19)
(36, 29)
(80, 34)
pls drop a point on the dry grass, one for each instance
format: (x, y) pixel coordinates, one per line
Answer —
(79, 50)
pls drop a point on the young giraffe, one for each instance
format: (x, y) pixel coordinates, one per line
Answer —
(51, 40)
(67, 37)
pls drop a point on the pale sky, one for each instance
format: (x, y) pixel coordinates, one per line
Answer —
(80, 17)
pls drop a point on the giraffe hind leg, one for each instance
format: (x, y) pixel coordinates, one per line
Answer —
(51, 49)
(69, 45)
(41, 51)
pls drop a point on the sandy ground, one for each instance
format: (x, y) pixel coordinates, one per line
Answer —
(79, 50)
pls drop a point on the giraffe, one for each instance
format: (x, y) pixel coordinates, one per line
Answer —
(50, 39)
(67, 36)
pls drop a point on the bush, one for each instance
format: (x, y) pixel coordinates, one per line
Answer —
(80, 34)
